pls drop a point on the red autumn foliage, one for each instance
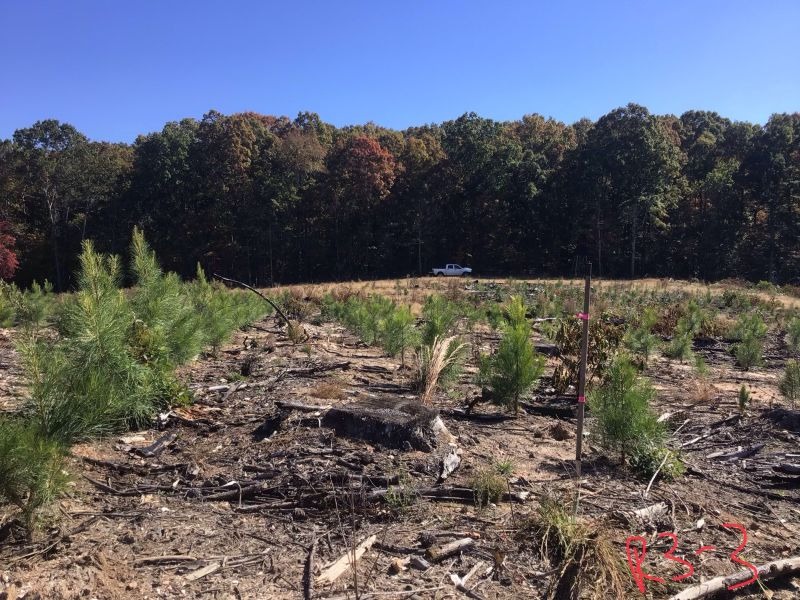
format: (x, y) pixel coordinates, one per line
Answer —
(8, 258)
(366, 169)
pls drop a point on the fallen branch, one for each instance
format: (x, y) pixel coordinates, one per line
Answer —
(788, 468)
(255, 291)
(335, 570)
(438, 553)
(204, 571)
(163, 560)
(236, 494)
(158, 446)
(747, 452)
(308, 579)
(777, 568)
(448, 494)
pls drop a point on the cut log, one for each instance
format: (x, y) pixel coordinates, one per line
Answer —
(438, 553)
(334, 571)
(772, 570)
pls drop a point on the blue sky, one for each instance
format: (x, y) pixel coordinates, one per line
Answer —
(117, 69)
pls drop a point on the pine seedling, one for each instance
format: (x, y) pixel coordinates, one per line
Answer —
(516, 365)
(749, 352)
(167, 330)
(680, 347)
(33, 306)
(398, 332)
(621, 406)
(440, 316)
(8, 312)
(31, 469)
(790, 382)
(743, 400)
(640, 340)
(793, 335)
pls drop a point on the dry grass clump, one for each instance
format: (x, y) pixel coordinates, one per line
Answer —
(585, 562)
(435, 363)
(329, 390)
(488, 486)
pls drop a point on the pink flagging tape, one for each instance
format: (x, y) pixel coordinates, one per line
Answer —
(581, 399)
(583, 316)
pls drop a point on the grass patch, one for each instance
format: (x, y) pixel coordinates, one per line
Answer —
(488, 486)
(586, 563)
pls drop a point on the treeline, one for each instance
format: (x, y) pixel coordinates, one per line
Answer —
(269, 199)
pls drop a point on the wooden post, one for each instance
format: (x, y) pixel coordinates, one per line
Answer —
(584, 316)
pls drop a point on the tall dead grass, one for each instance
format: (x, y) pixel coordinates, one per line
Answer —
(433, 361)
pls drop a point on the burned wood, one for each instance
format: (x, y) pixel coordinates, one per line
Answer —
(308, 576)
(390, 423)
(364, 480)
(787, 468)
(747, 452)
(158, 446)
(467, 414)
(238, 493)
(546, 349)
(448, 494)
(320, 368)
(562, 408)
(395, 549)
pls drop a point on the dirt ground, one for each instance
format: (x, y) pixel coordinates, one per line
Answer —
(233, 506)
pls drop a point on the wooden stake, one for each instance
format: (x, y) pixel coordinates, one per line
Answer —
(582, 375)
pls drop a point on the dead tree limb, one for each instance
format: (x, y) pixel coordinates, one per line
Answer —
(255, 291)
(347, 560)
(776, 568)
(439, 553)
(308, 584)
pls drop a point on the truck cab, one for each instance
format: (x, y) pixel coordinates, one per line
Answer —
(452, 270)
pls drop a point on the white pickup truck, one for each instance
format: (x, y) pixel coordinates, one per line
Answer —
(452, 270)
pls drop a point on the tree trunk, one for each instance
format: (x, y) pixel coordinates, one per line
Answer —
(633, 244)
(56, 258)
(271, 272)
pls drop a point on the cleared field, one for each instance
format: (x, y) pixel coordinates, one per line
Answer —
(252, 492)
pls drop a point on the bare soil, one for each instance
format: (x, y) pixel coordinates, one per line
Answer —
(234, 505)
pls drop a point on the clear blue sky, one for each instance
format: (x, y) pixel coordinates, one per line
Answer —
(115, 69)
